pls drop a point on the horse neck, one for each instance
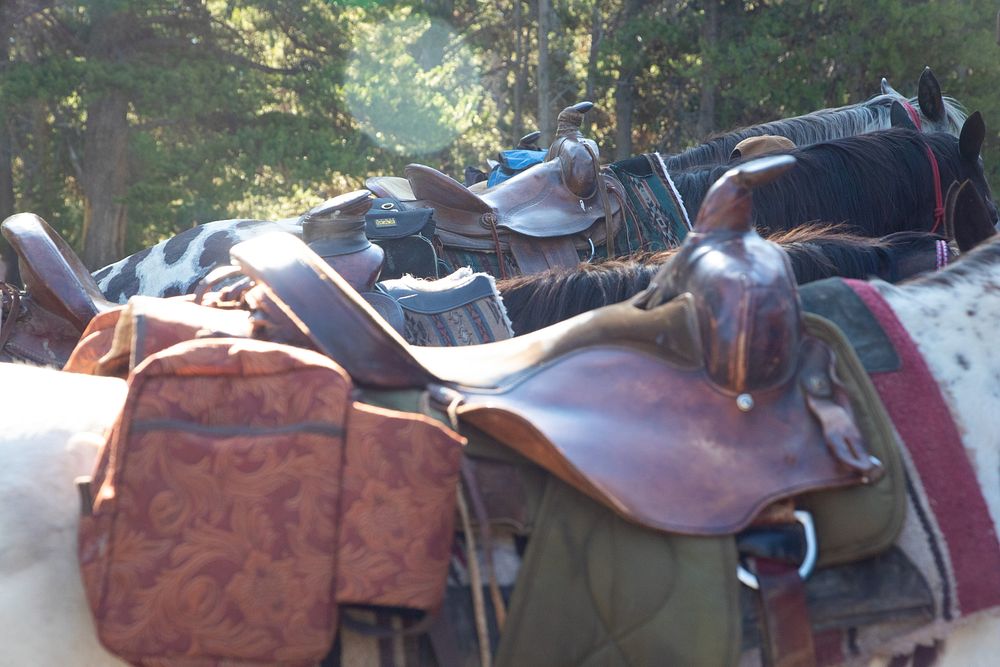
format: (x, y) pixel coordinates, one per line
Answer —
(811, 128)
(952, 317)
(542, 299)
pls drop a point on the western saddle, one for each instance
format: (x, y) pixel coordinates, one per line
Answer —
(544, 216)
(43, 323)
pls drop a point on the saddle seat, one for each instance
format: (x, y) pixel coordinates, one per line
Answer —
(335, 230)
(53, 274)
(708, 409)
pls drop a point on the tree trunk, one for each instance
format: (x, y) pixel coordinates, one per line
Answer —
(545, 116)
(709, 84)
(105, 148)
(624, 104)
(596, 34)
(625, 87)
(520, 72)
(104, 185)
(8, 272)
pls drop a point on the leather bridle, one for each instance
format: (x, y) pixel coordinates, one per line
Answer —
(938, 198)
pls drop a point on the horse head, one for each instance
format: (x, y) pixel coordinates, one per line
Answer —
(967, 218)
(970, 143)
(934, 112)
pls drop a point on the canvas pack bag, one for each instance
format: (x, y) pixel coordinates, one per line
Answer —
(246, 495)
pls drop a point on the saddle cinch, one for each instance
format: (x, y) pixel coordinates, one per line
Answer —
(545, 216)
(724, 402)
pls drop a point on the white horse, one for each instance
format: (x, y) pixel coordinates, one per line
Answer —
(44, 619)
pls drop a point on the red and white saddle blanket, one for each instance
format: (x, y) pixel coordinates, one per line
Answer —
(948, 533)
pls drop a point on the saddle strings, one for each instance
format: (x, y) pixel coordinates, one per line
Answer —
(475, 581)
(602, 191)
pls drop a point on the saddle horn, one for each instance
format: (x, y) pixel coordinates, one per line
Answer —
(728, 204)
(580, 162)
(744, 288)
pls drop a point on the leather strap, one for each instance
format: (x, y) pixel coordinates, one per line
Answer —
(786, 633)
(938, 200)
(534, 255)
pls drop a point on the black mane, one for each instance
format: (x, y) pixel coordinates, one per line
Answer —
(816, 252)
(876, 183)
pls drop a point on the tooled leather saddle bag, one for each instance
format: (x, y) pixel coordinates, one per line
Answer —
(246, 495)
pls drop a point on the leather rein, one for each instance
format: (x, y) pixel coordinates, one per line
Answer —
(938, 198)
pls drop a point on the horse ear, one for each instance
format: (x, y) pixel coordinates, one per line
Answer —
(929, 96)
(899, 117)
(887, 89)
(970, 140)
(970, 218)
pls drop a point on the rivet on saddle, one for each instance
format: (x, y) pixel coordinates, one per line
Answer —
(543, 216)
(718, 382)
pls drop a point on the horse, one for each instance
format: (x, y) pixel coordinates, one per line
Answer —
(816, 252)
(176, 265)
(935, 112)
(951, 316)
(877, 183)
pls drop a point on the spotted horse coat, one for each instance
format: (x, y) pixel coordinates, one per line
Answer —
(176, 265)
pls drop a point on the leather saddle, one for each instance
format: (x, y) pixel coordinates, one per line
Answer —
(708, 374)
(543, 216)
(42, 323)
(335, 230)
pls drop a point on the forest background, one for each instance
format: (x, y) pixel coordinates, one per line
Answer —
(125, 121)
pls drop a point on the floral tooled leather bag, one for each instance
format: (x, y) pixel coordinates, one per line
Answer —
(244, 494)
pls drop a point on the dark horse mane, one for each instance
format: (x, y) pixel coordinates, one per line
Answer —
(811, 128)
(876, 183)
(816, 252)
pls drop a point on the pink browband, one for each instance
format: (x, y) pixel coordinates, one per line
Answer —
(938, 199)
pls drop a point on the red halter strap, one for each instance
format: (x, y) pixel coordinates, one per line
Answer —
(938, 199)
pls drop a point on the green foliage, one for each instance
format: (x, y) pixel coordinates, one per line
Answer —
(263, 107)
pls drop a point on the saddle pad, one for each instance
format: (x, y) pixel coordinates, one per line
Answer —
(463, 308)
(244, 494)
(595, 589)
(660, 219)
(860, 521)
(960, 536)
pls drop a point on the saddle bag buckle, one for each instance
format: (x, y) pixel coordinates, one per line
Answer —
(805, 570)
